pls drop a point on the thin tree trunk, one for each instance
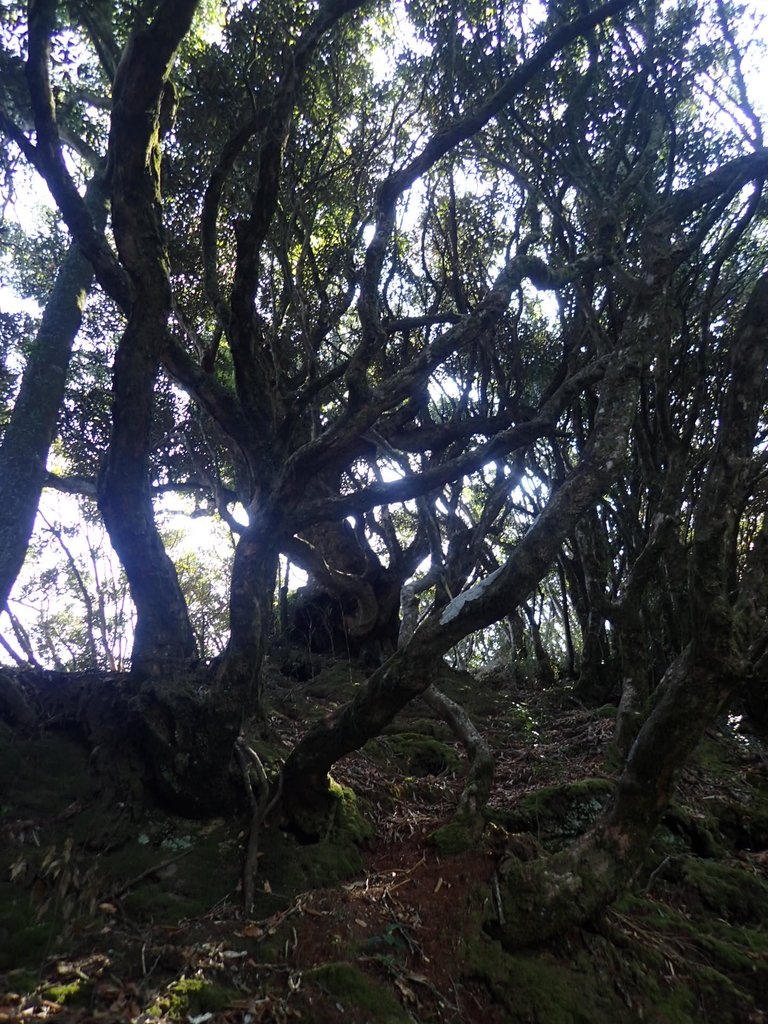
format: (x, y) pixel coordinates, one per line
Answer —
(477, 788)
(570, 651)
(542, 658)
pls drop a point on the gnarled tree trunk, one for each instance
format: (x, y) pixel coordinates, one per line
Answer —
(164, 636)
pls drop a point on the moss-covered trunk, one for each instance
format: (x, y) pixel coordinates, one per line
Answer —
(164, 636)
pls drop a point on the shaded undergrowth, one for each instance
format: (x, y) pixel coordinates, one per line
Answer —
(115, 914)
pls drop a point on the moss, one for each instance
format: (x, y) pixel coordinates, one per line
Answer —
(556, 814)
(728, 946)
(290, 867)
(477, 700)
(457, 836)
(348, 822)
(52, 773)
(353, 989)
(422, 726)
(190, 996)
(677, 1007)
(207, 871)
(71, 993)
(660, 970)
(11, 758)
(732, 893)
(20, 981)
(696, 831)
(606, 711)
(540, 988)
(725, 970)
(715, 753)
(336, 817)
(152, 902)
(745, 826)
(421, 755)
(338, 681)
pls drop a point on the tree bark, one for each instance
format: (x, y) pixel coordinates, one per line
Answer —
(164, 635)
(254, 573)
(32, 426)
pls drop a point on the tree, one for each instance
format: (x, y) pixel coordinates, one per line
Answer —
(495, 309)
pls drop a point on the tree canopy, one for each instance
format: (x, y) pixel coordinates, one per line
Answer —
(459, 309)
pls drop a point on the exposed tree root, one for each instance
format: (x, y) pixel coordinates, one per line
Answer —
(477, 788)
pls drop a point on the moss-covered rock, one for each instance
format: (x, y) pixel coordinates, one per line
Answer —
(337, 815)
(534, 989)
(351, 988)
(419, 755)
(423, 726)
(736, 895)
(743, 825)
(557, 814)
(458, 836)
(697, 833)
(183, 868)
(339, 681)
(291, 866)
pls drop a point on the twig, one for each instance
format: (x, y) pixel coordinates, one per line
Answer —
(497, 899)
(656, 872)
(260, 808)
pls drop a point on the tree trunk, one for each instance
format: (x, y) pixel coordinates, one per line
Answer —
(546, 672)
(635, 682)
(164, 636)
(541, 898)
(32, 426)
(254, 574)
(350, 607)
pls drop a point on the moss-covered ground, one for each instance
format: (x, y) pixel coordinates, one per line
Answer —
(119, 913)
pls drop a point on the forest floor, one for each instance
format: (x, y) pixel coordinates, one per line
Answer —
(105, 917)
